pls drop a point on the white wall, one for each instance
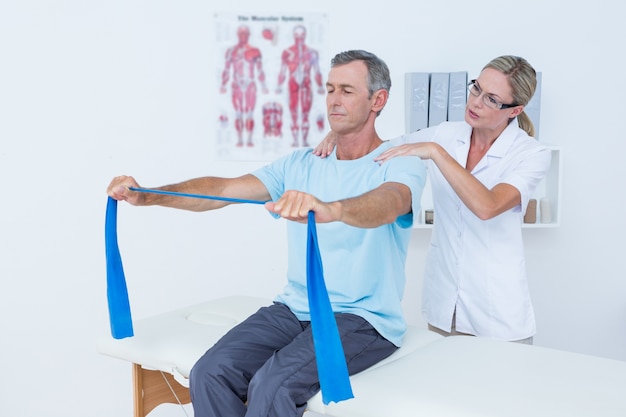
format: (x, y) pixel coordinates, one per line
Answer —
(89, 90)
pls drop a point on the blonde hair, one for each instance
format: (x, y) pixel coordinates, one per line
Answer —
(523, 82)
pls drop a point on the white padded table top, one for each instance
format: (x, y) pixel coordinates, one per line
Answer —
(429, 376)
(172, 342)
(469, 376)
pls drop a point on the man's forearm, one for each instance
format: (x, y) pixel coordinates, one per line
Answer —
(247, 187)
(377, 207)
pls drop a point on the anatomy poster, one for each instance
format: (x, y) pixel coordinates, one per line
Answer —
(271, 73)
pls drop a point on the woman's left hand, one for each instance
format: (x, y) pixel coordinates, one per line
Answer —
(422, 149)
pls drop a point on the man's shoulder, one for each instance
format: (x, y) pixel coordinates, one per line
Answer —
(296, 156)
(403, 164)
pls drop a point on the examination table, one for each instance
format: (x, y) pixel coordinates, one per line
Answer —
(428, 376)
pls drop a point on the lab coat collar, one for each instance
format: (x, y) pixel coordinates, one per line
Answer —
(497, 150)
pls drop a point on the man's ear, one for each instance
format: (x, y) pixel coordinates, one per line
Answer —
(380, 99)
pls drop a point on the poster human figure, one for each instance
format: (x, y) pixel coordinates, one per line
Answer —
(286, 54)
(244, 61)
(302, 63)
(272, 119)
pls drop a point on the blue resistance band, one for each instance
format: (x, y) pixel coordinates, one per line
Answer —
(206, 197)
(331, 363)
(117, 293)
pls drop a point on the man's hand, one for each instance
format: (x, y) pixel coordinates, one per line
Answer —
(295, 205)
(119, 189)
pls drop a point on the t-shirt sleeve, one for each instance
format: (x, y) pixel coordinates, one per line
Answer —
(273, 175)
(410, 171)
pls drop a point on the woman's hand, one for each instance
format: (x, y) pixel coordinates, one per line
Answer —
(424, 150)
(326, 146)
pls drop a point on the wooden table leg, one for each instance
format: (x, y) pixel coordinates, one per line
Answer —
(153, 388)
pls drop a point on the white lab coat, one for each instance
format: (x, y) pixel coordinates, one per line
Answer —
(477, 266)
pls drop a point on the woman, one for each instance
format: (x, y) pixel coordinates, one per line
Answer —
(483, 171)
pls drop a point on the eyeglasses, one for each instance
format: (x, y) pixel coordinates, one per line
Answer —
(489, 101)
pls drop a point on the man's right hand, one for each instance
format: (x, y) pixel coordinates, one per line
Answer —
(119, 189)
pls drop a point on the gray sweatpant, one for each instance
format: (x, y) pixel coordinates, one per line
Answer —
(265, 366)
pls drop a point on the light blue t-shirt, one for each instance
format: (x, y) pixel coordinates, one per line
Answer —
(364, 269)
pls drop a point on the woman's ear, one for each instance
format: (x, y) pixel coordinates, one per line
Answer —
(515, 111)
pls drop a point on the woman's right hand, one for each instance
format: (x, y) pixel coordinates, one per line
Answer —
(326, 146)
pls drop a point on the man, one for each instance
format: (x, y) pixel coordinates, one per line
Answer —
(266, 365)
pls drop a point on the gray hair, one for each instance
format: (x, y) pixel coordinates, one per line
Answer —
(378, 77)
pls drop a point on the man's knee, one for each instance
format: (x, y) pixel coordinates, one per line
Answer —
(270, 394)
(211, 366)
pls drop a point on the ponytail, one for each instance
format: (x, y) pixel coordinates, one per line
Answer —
(526, 124)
